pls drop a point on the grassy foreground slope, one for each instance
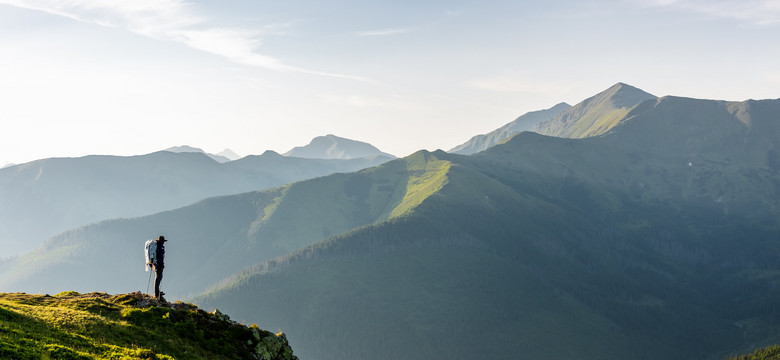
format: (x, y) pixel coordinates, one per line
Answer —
(767, 353)
(100, 326)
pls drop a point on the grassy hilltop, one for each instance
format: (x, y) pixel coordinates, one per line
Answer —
(70, 325)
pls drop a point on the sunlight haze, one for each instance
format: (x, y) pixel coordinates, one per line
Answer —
(132, 77)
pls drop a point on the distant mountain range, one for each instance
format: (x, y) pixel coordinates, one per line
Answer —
(522, 123)
(42, 198)
(644, 229)
(246, 229)
(334, 147)
(223, 157)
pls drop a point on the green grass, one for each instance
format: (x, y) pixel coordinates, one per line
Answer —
(99, 326)
(427, 175)
(599, 124)
(767, 353)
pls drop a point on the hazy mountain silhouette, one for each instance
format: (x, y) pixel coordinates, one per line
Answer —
(522, 123)
(229, 154)
(655, 239)
(225, 156)
(42, 198)
(334, 147)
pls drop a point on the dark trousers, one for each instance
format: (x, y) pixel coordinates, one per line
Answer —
(158, 273)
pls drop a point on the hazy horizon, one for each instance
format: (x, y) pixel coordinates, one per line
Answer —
(126, 78)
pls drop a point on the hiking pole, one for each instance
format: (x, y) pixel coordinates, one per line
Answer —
(148, 282)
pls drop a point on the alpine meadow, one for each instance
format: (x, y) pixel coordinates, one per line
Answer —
(627, 226)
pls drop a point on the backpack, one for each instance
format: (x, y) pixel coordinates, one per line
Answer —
(150, 252)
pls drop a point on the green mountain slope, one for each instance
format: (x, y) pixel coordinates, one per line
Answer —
(99, 326)
(546, 248)
(523, 123)
(595, 115)
(71, 192)
(217, 237)
(430, 281)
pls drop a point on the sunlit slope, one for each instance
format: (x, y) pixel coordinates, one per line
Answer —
(43, 198)
(523, 123)
(216, 237)
(595, 115)
(308, 211)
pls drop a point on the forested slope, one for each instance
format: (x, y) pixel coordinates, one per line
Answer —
(604, 247)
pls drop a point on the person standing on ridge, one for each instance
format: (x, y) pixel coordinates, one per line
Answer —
(159, 265)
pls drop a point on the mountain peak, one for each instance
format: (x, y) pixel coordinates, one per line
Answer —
(522, 123)
(184, 148)
(271, 153)
(217, 157)
(595, 115)
(333, 147)
(230, 154)
(624, 95)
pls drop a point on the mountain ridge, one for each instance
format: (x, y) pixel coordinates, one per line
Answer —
(595, 115)
(247, 228)
(522, 123)
(229, 155)
(71, 192)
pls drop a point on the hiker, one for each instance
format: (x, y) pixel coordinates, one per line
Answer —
(158, 265)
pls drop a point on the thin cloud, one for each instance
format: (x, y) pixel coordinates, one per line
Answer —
(519, 83)
(761, 12)
(383, 32)
(171, 20)
(392, 101)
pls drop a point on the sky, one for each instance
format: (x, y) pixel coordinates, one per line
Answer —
(113, 77)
